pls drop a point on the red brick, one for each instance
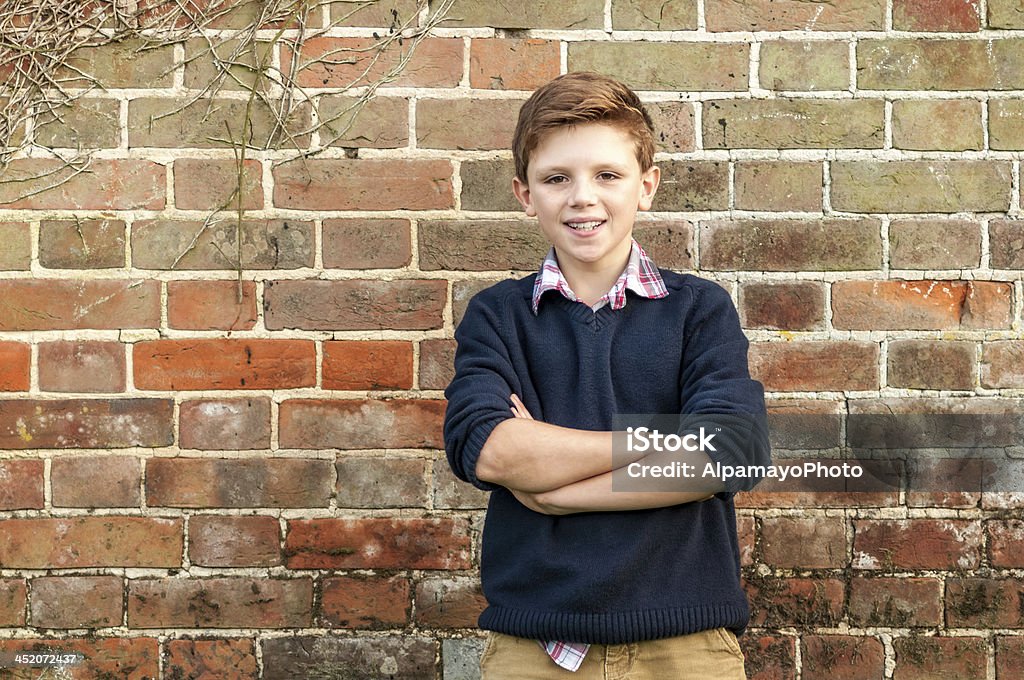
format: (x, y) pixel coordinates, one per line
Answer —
(1006, 242)
(407, 304)
(225, 424)
(897, 602)
(211, 305)
(367, 365)
(1009, 657)
(341, 62)
(216, 364)
(377, 482)
(134, 658)
(512, 64)
(13, 593)
(437, 363)
(985, 603)
(85, 423)
(76, 542)
(77, 601)
(96, 481)
(82, 244)
(921, 305)
(937, 125)
(210, 184)
(367, 244)
(673, 126)
(934, 244)
(790, 245)
(229, 541)
(945, 482)
(938, 658)
(936, 15)
(932, 365)
(812, 366)
(82, 366)
(51, 304)
(804, 543)
(1006, 543)
(466, 124)
(777, 601)
(15, 362)
(378, 543)
(357, 602)
(238, 482)
(364, 184)
(746, 530)
(362, 424)
(115, 184)
(782, 305)
(785, 15)
(916, 544)
(769, 657)
(220, 659)
(843, 657)
(220, 603)
(449, 602)
(939, 64)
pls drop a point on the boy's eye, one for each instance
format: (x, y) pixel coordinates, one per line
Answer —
(607, 175)
(556, 179)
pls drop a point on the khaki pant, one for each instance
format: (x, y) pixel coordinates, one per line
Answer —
(707, 655)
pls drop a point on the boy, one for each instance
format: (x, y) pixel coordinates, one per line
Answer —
(630, 584)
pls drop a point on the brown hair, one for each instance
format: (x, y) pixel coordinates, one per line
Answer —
(581, 97)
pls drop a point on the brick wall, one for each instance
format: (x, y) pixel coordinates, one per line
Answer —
(193, 480)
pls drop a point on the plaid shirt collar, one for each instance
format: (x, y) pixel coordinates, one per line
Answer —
(640, 276)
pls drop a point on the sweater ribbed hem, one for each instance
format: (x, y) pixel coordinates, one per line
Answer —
(615, 628)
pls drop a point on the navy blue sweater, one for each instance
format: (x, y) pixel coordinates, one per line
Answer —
(605, 577)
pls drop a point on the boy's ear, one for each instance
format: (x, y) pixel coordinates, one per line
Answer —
(522, 192)
(648, 187)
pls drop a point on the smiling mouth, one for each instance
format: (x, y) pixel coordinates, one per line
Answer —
(584, 226)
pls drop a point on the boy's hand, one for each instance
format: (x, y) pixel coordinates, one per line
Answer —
(519, 409)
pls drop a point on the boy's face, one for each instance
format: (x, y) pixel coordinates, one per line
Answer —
(585, 187)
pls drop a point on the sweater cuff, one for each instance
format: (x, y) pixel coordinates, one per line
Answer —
(474, 444)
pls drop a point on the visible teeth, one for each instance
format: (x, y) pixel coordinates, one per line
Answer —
(586, 226)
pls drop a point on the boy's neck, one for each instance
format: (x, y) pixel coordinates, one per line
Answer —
(590, 283)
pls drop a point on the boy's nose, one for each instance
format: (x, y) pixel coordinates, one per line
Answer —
(582, 194)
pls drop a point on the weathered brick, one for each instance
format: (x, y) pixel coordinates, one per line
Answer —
(945, 482)
(1005, 14)
(673, 126)
(940, 64)
(77, 601)
(480, 245)
(213, 364)
(960, 422)
(801, 424)
(804, 543)
(85, 123)
(364, 184)
(934, 244)
(944, 125)
(220, 603)
(378, 543)
(928, 658)
(110, 184)
(362, 424)
(407, 304)
(85, 423)
(367, 243)
(211, 184)
(242, 64)
(985, 603)
(790, 245)
(380, 123)
(777, 601)
(916, 544)
(794, 123)
(693, 185)
(167, 122)
(1009, 654)
(920, 186)
(654, 15)
(573, 14)
(746, 532)
(804, 65)
(82, 366)
(386, 13)
(96, 481)
(782, 305)
(451, 492)
(460, 658)
(668, 241)
(769, 657)
(224, 659)
(211, 305)
(375, 482)
(13, 594)
(367, 365)
(345, 62)
(135, 658)
(931, 364)
(473, 124)
(920, 305)
(79, 542)
(512, 64)
(402, 656)
(786, 15)
(1005, 543)
(52, 304)
(962, 16)
(463, 292)
(15, 363)
(120, 64)
(81, 244)
(16, 245)
(238, 483)
(225, 424)
(230, 541)
(842, 657)
(778, 185)
(266, 244)
(21, 484)
(449, 602)
(693, 66)
(437, 366)
(487, 185)
(811, 366)
(1006, 243)
(357, 602)
(897, 602)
